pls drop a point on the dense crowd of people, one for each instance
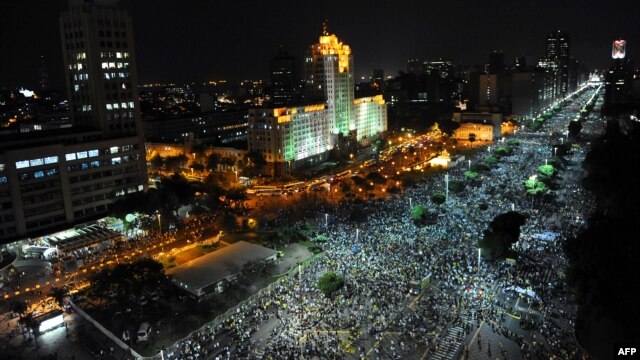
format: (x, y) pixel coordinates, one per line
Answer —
(380, 257)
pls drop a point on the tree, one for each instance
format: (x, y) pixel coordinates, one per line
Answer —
(257, 159)
(471, 175)
(574, 128)
(329, 283)
(503, 231)
(490, 160)
(534, 187)
(439, 198)
(32, 325)
(59, 294)
(226, 222)
(503, 150)
(418, 213)
(546, 171)
(157, 161)
(603, 256)
(19, 307)
(456, 186)
(212, 161)
(376, 177)
(480, 167)
(472, 137)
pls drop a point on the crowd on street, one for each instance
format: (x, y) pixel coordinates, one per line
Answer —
(375, 316)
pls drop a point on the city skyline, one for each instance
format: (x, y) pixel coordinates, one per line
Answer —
(237, 40)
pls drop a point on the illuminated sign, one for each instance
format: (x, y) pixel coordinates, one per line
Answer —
(618, 49)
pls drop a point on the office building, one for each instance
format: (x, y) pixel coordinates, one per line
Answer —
(211, 128)
(496, 62)
(618, 79)
(53, 179)
(300, 136)
(283, 79)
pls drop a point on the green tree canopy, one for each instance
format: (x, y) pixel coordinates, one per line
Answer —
(471, 175)
(503, 150)
(329, 283)
(533, 186)
(456, 186)
(438, 198)
(490, 160)
(546, 171)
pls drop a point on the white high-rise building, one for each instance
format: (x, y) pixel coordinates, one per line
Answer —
(299, 136)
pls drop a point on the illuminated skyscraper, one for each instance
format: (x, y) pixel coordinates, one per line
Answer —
(298, 136)
(329, 71)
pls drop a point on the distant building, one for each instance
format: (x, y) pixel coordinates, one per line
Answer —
(213, 128)
(496, 62)
(283, 78)
(619, 78)
(484, 125)
(300, 136)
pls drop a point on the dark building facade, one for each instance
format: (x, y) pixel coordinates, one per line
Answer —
(52, 179)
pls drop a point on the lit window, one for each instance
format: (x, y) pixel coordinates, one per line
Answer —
(36, 162)
(38, 174)
(51, 160)
(116, 106)
(112, 65)
(81, 154)
(76, 87)
(79, 66)
(116, 160)
(22, 164)
(70, 157)
(119, 55)
(124, 105)
(113, 149)
(105, 65)
(131, 104)
(93, 153)
(109, 107)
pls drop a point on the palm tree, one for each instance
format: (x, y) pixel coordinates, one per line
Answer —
(19, 307)
(32, 325)
(59, 294)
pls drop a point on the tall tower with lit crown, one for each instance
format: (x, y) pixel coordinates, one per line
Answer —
(329, 76)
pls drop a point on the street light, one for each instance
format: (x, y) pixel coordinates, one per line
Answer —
(326, 220)
(446, 182)
(469, 165)
(555, 150)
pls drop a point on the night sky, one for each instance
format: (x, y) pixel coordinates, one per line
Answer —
(188, 40)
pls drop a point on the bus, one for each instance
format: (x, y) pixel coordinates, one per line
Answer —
(255, 189)
(294, 187)
(268, 192)
(368, 163)
(343, 174)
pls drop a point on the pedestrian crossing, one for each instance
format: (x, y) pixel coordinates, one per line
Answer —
(450, 347)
